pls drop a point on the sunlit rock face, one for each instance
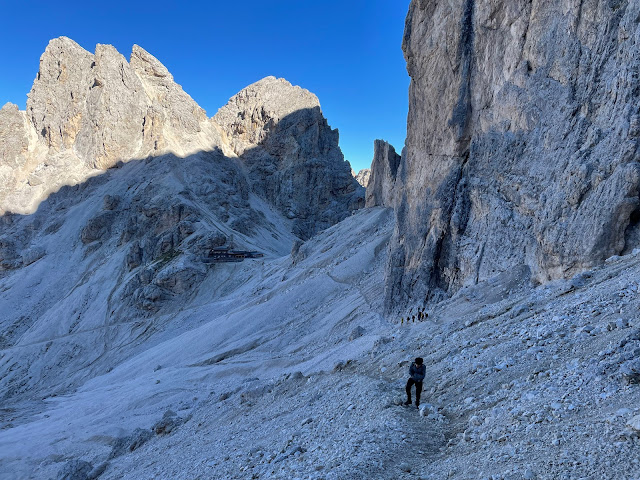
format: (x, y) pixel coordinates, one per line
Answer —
(87, 112)
(104, 109)
(362, 176)
(384, 169)
(291, 153)
(522, 143)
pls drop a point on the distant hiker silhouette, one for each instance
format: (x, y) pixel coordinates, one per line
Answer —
(417, 372)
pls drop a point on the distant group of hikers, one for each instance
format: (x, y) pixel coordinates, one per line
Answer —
(420, 316)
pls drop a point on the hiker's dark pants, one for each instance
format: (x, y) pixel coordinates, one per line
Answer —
(418, 385)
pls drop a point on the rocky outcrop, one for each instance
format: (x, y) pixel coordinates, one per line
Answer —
(105, 109)
(13, 137)
(384, 169)
(291, 153)
(14, 145)
(87, 112)
(522, 144)
(363, 176)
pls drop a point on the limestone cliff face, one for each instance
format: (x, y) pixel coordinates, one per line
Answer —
(13, 139)
(87, 112)
(104, 109)
(291, 153)
(384, 169)
(522, 144)
(363, 176)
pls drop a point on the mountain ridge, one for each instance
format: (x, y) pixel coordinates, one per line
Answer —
(87, 112)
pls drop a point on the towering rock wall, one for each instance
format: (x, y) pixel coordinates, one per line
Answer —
(384, 169)
(291, 153)
(14, 144)
(522, 143)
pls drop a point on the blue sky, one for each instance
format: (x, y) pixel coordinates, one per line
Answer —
(347, 52)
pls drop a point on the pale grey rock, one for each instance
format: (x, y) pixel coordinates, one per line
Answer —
(56, 105)
(14, 142)
(180, 111)
(384, 169)
(116, 103)
(291, 153)
(634, 423)
(363, 176)
(522, 142)
(106, 109)
(14, 146)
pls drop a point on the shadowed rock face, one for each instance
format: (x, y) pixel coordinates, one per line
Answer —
(291, 153)
(384, 168)
(522, 143)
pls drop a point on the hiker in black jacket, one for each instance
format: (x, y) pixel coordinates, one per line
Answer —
(417, 372)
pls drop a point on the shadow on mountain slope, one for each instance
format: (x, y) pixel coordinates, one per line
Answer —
(117, 256)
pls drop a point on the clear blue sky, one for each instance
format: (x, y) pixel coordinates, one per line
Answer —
(347, 52)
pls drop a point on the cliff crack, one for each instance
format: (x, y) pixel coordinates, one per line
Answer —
(461, 114)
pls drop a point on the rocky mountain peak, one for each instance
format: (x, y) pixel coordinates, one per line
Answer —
(279, 132)
(146, 65)
(362, 176)
(255, 110)
(102, 109)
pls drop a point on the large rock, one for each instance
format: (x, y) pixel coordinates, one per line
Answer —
(363, 176)
(87, 112)
(384, 169)
(14, 145)
(522, 143)
(13, 137)
(173, 121)
(291, 153)
(57, 103)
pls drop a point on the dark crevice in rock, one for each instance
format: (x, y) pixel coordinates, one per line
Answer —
(632, 232)
(461, 115)
(443, 274)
